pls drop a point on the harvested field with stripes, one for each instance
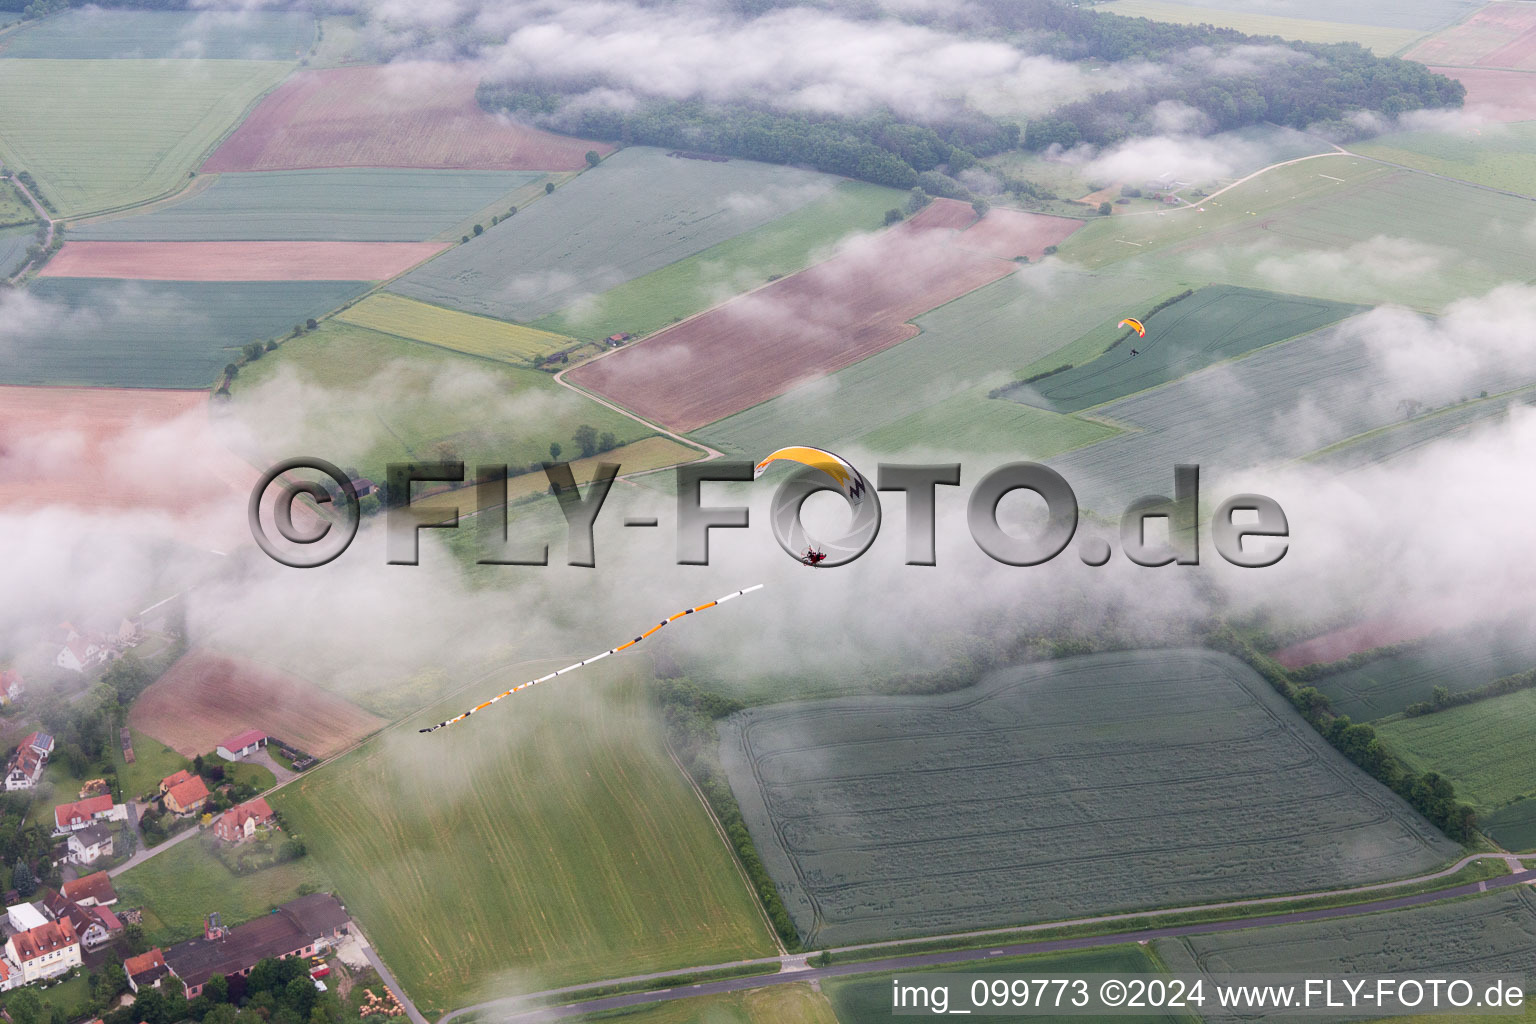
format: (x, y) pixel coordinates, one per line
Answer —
(1501, 35)
(812, 323)
(1181, 774)
(239, 261)
(408, 114)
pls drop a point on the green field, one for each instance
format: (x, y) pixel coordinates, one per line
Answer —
(966, 347)
(1335, 227)
(14, 208)
(244, 773)
(152, 761)
(1493, 933)
(1381, 40)
(1484, 748)
(375, 204)
(1513, 825)
(977, 425)
(1459, 662)
(179, 887)
(1500, 156)
(780, 1004)
(95, 33)
(547, 845)
(14, 243)
(866, 999)
(1041, 781)
(166, 334)
(391, 400)
(779, 247)
(638, 211)
(101, 134)
(1212, 325)
(448, 328)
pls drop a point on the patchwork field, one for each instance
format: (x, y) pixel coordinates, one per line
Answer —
(1380, 40)
(1501, 35)
(637, 212)
(789, 1004)
(866, 998)
(382, 399)
(1496, 95)
(1493, 933)
(447, 328)
(1212, 325)
(1334, 227)
(205, 697)
(397, 115)
(782, 246)
(566, 817)
(939, 379)
(94, 33)
(239, 261)
(379, 204)
(1458, 661)
(1484, 748)
(889, 816)
(163, 334)
(102, 134)
(1499, 157)
(93, 448)
(813, 323)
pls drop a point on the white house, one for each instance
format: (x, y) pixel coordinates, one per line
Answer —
(71, 817)
(90, 844)
(27, 764)
(241, 744)
(45, 951)
(79, 654)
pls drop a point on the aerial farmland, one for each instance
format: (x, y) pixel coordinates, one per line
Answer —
(452, 294)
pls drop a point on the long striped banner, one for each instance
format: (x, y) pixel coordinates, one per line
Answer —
(595, 657)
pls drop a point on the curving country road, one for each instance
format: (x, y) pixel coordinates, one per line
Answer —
(510, 1010)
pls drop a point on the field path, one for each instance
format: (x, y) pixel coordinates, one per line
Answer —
(794, 969)
(710, 453)
(42, 215)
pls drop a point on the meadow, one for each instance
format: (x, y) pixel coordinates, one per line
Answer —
(152, 761)
(1513, 826)
(1212, 325)
(450, 329)
(1020, 809)
(103, 134)
(866, 999)
(1492, 933)
(376, 204)
(95, 33)
(556, 844)
(1484, 747)
(178, 887)
(636, 212)
(14, 209)
(1497, 157)
(438, 402)
(1326, 227)
(783, 246)
(962, 349)
(163, 334)
(778, 1004)
(1459, 661)
(1380, 39)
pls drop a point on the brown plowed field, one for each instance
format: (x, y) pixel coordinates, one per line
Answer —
(240, 261)
(206, 697)
(815, 322)
(396, 115)
(1501, 35)
(1341, 643)
(1497, 95)
(1009, 234)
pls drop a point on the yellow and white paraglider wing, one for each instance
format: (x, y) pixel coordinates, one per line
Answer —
(849, 481)
(1135, 325)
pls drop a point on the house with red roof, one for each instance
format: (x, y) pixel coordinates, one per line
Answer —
(95, 926)
(241, 744)
(45, 951)
(146, 970)
(187, 796)
(71, 817)
(27, 764)
(238, 824)
(91, 890)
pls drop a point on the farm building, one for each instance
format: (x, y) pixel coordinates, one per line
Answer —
(23, 916)
(27, 763)
(44, 951)
(146, 970)
(89, 844)
(238, 824)
(241, 744)
(301, 927)
(618, 339)
(70, 817)
(185, 797)
(93, 890)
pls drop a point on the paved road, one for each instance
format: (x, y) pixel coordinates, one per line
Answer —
(394, 986)
(517, 1009)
